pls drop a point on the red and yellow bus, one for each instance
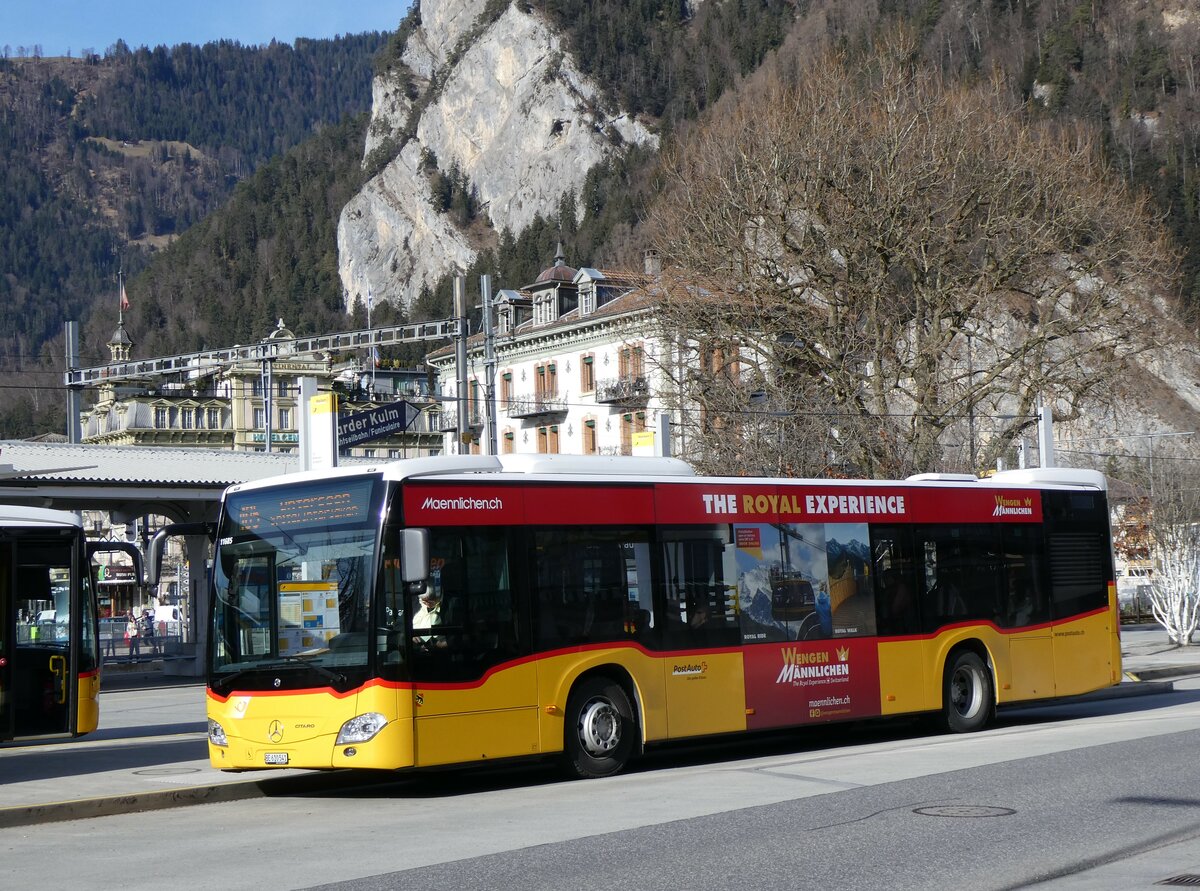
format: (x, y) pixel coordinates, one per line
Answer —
(49, 649)
(588, 607)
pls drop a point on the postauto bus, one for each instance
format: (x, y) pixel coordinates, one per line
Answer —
(49, 649)
(465, 609)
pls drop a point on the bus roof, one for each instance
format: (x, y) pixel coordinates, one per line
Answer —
(1052, 476)
(653, 469)
(20, 515)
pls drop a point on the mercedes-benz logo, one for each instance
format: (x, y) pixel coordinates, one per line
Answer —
(275, 732)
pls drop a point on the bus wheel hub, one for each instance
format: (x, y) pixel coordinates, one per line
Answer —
(599, 727)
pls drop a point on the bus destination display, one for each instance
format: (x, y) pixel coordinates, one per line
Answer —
(258, 512)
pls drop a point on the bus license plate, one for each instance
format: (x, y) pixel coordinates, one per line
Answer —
(275, 757)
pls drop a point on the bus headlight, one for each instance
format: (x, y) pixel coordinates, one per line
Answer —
(361, 728)
(216, 734)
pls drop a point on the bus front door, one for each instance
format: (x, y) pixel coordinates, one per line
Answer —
(37, 692)
(8, 637)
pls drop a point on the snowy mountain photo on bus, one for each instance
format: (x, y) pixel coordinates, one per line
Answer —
(803, 581)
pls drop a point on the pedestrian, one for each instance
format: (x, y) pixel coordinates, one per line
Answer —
(131, 636)
(110, 639)
(146, 626)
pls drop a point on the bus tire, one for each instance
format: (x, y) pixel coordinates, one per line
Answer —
(967, 699)
(600, 729)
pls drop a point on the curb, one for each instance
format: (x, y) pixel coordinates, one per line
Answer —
(1140, 686)
(139, 802)
(1153, 674)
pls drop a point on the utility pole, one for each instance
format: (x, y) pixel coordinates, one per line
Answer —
(971, 402)
(74, 395)
(1046, 434)
(267, 399)
(489, 366)
(460, 359)
(374, 349)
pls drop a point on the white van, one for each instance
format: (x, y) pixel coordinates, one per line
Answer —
(167, 614)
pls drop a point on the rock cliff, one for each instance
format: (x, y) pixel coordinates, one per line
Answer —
(500, 98)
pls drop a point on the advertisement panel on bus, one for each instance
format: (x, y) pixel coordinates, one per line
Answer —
(448, 504)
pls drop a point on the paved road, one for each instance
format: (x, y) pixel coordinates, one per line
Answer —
(1046, 796)
(150, 751)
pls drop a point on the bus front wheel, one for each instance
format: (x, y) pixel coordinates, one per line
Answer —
(967, 699)
(600, 729)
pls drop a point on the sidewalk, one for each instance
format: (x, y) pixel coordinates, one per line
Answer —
(131, 765)
(1147, 655)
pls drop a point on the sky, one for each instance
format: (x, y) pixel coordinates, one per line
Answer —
(62, 26)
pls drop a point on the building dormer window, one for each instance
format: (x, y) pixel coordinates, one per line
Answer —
(162, 417)
(568, 301)
(545, 309)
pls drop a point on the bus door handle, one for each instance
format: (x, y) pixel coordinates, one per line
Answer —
(58, 668)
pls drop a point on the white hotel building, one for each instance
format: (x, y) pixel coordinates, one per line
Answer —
(577, 359)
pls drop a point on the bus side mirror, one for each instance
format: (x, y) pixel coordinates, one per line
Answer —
(414, 555)
(125, 547)
(159, 541)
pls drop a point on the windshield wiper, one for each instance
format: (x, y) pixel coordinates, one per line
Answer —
(230, 678)
(319, 669)
(324, 672)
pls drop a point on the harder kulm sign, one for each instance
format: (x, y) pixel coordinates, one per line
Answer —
(363, 426)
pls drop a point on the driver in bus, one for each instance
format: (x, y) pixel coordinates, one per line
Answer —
(427, 617)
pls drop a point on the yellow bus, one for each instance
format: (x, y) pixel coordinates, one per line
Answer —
(49, 646)
(465, 609)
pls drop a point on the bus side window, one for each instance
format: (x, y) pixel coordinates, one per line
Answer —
(897, 608)
(475, 626)
(701, 604)
(1025, 601)
(593, 584)
(961, 574)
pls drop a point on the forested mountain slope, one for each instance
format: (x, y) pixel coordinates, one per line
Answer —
(1124, 72)
(107, 159)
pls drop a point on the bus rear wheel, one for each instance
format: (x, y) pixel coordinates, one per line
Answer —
(967, 699)
(600, 729)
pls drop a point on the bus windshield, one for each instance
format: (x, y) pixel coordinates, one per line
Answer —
(292, 582)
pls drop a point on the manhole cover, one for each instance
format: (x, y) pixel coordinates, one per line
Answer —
(166, 771)
(964, 810)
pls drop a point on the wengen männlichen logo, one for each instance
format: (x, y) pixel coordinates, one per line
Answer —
(799, 666)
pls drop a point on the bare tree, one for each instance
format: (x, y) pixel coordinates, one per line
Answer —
(1175, 535)
(891, 258)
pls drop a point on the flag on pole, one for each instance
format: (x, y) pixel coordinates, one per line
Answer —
(124, 298)
(375, 354)
(370, 299)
